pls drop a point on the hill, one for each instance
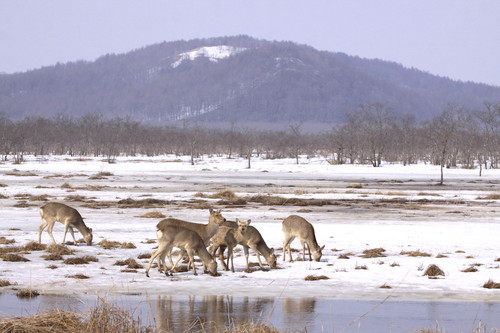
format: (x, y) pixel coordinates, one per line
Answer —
(232, 80)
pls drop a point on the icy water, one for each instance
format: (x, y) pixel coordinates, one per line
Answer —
(189, 313)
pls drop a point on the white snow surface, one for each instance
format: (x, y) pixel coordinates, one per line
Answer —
(458, 225)
(213, 53)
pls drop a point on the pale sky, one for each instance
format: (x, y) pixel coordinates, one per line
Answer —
(459, 39)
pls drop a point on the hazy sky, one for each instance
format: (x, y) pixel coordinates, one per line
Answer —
(459, 39)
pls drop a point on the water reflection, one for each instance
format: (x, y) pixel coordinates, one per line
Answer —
(212, 313)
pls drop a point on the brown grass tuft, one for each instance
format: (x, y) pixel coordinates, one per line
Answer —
(493, 196)
(417, 253)
(373, 253)
(90, 258)
(13, 257)
(128, 245)
(355, 186)
(433, 270)
(108, 245)
(61, 250)
(385, 286)
(130, 263)
(4, 283)
(27, 293)
(4, 241)
(34, 246)
(470, 269)
(316, 277)
(153, 215)
(52, 256)
(75, 261)
(144, 256)
(78, 276)
(491, 285)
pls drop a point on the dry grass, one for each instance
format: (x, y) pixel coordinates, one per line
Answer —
(493, 196)
(355, 186)
(130, 263)
(316, 277)
(433, 271)
(3, 185)
(373, 253)
(13, 257)
(3, 196)
(52, 256)
(143, 203)
(34, 246)
(440, 255)
(470, 269)
(4, 241)
(57, 249)
(417, 253)
(78, 276)
(153, 215)
(5, 283)
(108, 245)
(75, 261)
(363, 267)
(385, 286)
(491, 285)
(144, 256)
(75, 198)
(27, 293)
(128, 245)
(102, 318)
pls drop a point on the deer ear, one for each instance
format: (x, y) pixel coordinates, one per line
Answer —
(321, 248)
(210, 210)
(249, 221)
(272, 250)
(237, 220)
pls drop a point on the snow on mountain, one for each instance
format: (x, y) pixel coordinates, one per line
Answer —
(213, 53)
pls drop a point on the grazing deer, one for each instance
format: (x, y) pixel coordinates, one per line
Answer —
(188, 241)
(296, 226)
(252, 239)
(227, 237)
(53, 212)
(205, 231)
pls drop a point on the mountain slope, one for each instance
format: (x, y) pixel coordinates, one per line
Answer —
(231, 79)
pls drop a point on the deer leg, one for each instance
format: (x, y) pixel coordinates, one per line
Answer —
(230, 256)
(286, 246)
(257, 253)
(40, 230)
(161, 249)
(191, 260)
(49, 230)
(245, 249)
(222, 248)
(308, 250)
(70, 228)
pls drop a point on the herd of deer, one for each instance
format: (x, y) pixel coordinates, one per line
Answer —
(193, 238)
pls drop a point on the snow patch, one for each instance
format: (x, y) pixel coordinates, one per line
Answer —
(213, 53)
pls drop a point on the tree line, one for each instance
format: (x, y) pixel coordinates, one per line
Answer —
(371, 134)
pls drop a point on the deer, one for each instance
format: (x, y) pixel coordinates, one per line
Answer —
(296, 226)
(188, 241)
(227, 237)
(205, 231)
(53, 212)
(252, 239)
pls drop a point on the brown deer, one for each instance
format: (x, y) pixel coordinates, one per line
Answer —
(296, 226)
(57, 212)
(227, 237)
(188, 241)
(205, 231)
(254, 240)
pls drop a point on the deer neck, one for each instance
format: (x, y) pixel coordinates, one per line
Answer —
(204, 256)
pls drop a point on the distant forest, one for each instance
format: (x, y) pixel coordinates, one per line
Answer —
(371, 134)
(270, 84)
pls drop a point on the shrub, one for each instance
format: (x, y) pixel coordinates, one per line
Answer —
(27, 293)
(57, 249)
(316, 277)
(491, 285)
(373, 253)
(13, 257)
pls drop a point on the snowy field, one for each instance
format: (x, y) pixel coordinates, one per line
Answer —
(397, 208)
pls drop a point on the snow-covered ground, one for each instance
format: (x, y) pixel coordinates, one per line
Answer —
(394, 207)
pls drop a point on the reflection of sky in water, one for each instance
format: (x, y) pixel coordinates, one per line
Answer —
(316, 314)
